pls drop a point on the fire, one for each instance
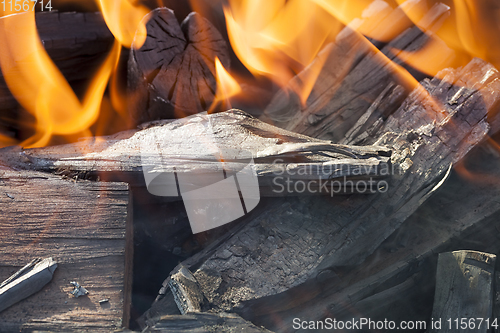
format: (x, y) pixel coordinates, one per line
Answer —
(40, 87)
(227, 86)
(124, 19)
(277, 39)
(273, 39)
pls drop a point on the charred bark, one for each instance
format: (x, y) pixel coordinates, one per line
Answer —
(173, 73)
(311, 240)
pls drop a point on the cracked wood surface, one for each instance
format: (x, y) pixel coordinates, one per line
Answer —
(464, 213)
(85, 227)
(173, 73)
(299, 241)
(204, 323)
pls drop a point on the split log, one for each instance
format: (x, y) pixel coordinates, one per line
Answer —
(86, 227)
(205, 323)
(76, 42)
(356, 75)
(307, 240)
(464, 291)
(185, 147)
(173, 73)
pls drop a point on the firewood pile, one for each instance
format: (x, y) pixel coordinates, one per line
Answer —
(377, 198)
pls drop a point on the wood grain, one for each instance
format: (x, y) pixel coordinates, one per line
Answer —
(464, 289)
(85, 227)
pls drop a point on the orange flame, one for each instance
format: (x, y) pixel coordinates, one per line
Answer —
(124, 19)
(279, 38)
(226, 84)
(227, 87)
(40, 87)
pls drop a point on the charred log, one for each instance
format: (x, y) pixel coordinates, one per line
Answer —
(173, 73)
(312, 240)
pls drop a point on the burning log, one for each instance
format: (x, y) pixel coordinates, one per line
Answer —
(460, 214)
(443, 123)
(86, 228)
(357, 77)
(464, 289)
(173, 73)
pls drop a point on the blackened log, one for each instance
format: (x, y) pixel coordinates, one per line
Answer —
(462, 214)
(345, 90)
(183, 147)
(173, 73)
(464, 289)
(295, 242)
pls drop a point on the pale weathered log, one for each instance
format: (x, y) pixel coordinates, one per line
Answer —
(86, 227)
(173, 73)
(27, 281)
(464, 289)
(294, 242)
(205, 323)
(182, 148)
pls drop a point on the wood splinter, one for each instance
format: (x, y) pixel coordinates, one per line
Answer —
(27, 281)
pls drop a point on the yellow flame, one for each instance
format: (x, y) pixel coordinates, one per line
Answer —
(226, 84)
(277, 38)
(124, 18)
(40, 87)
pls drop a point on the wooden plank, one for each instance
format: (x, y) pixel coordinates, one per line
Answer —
(85, 226)
(464, 289)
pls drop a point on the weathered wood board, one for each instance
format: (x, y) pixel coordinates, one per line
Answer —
(85, 227)
(464, 289)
